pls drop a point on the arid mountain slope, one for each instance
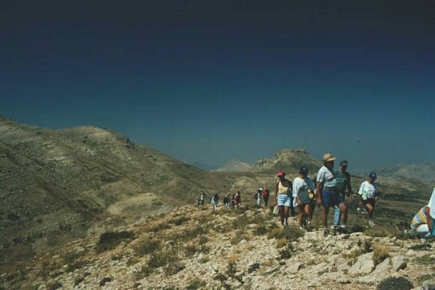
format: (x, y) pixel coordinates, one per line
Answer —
(56, 184)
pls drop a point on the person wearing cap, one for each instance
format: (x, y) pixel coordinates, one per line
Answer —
(283, 197)
(344, 188)
(302, 185)
(368, 195)
(424, 220)
(326, 188)
(259, 195)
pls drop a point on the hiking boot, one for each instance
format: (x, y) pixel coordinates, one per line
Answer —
(342, 230)
(308, 226)
(371, 223)
(325, 232)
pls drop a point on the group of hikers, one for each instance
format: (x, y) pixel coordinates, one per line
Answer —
(328, 188)
(234, 202)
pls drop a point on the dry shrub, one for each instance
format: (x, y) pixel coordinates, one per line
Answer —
(380, 253)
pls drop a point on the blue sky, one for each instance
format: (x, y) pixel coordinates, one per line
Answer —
(211, 82)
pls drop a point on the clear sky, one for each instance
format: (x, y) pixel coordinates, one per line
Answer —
(212, 81)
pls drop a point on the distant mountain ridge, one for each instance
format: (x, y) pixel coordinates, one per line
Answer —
(421, 172)
(289, 160)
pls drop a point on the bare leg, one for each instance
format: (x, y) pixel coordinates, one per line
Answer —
(344, 213)
(286, 214)
(281, 214)
(325, 215)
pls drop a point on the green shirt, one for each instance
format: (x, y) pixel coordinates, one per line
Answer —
(342, 180)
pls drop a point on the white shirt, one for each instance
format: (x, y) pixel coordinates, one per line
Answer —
(302, 185)
(367, 190)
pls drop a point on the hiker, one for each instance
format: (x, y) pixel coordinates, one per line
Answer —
(214, 201)
(237, 200)
(313, 203)
(265, 194)
(283, 197)
(258, 196)
(302, 185)
(344, 189)
(368, 195)
(227, 201)
(326, 188)
(202, 198)
(424, 220)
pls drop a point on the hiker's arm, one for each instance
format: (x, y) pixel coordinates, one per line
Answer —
(349, 186)
(319, 188)
(276, 193)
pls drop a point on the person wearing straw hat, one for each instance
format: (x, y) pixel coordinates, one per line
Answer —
(424, 220)
(326, 188)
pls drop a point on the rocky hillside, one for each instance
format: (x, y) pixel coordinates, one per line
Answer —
(289, 160)
(192, 247)
(56, 185)
(417, 172)
(235, 166)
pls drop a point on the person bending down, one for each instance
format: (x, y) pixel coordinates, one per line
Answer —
(423, 221)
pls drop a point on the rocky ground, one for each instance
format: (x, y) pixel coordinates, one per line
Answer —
(194, 248)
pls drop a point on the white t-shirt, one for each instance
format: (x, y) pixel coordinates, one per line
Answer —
(367, 190)
(301, 185)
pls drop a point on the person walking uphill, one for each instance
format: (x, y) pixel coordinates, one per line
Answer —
(344, 188)
(237, 200)
(283, 197)
(265, 194)
(214, 201)
(327, 192)
(368, 195)
(301, 187)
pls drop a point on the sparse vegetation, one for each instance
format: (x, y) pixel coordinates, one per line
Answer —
(260, 230)
(393, 283)
(240, 236)
(230, 273)
(147, 246)
(111, 240)
(421, 247)
(380, 253)
(195, 284)
(426, 259)
(285, 253)
(383, 231)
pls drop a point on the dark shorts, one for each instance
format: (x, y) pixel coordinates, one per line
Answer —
(329, 197)
(341, 197)
(370, 201)
(303, 196)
